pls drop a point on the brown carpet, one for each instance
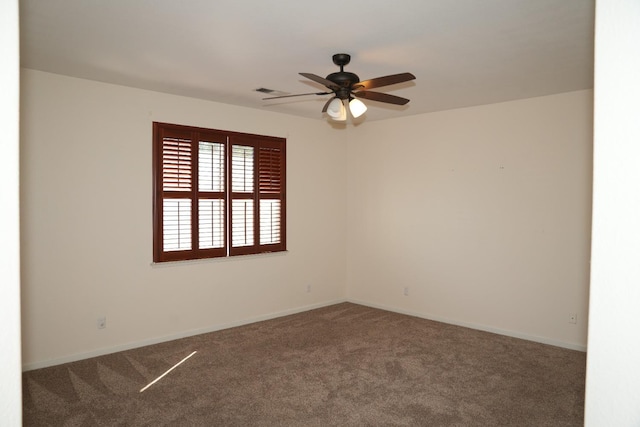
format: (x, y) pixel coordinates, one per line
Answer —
(343, 365)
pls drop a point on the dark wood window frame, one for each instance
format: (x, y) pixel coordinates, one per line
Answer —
(216, 193)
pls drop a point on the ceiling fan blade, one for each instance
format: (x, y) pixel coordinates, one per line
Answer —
(328, 83)
(381, 97)
(384, 81)
(326, 106)
(299, 94)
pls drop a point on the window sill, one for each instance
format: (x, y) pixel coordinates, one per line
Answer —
(234, 258)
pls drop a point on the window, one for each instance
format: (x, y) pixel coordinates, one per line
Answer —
(216, 193)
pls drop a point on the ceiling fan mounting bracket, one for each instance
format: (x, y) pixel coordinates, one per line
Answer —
(341, 59)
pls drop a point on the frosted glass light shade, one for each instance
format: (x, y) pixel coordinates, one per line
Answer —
(336, 110)
(357, 108)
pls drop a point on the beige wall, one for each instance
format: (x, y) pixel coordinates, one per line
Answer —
(483, 213)
(87, 233)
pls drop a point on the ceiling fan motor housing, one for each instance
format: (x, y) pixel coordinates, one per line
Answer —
(345, 80)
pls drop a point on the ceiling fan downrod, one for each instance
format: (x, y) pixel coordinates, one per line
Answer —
(344, 79)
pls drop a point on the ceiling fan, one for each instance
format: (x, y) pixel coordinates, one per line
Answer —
(346, 86)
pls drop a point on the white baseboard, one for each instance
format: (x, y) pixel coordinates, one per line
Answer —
(129, 346)
(514, 334)
(137, 344)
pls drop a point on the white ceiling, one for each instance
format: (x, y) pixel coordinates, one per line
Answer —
(462, 52)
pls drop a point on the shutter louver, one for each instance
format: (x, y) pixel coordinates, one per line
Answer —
(270, 219)
(270, 173)
(176, 220)
(242, 169)
(176, 164)
(242, 220)
(210, 166)
(211, 223)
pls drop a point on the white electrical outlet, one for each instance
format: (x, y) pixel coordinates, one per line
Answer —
(406, 291)
(573, 318)
(101, 322)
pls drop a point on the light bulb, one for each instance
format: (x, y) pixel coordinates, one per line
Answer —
(357, 108)
(336, 110)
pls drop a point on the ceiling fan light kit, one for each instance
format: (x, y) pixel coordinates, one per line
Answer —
(357, 108)
(336, 110)
(346, 86)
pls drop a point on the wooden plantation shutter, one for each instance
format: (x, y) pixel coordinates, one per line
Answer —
(271, 180)
(177, 183)
(211, 211)
(243, 207)
(189, 195)
(217, 193)
(257, 194)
